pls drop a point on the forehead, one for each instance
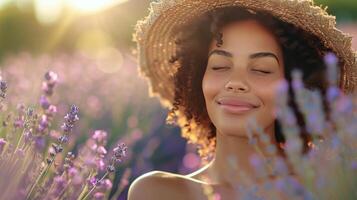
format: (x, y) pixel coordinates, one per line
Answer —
(247, 36)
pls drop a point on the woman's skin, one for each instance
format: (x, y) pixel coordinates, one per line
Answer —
(247, 67)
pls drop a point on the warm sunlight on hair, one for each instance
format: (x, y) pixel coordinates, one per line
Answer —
(92, 5)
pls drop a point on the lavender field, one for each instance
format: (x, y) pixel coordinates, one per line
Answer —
(78, 122)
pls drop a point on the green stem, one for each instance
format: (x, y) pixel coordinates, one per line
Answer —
(43, 173)
(87, 195)
(84, 190)
(19, 141)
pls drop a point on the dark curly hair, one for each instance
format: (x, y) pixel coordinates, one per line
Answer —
(301, 50)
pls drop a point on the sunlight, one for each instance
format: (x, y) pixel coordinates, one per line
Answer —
(48, 12)
(92, 5)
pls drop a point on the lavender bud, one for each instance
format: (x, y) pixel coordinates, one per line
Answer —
(92, 181)
(110, 168)
(100, 136)
(40, 143)
(332, 70)
(72, 172)
(107, 184)
(99, 196)
(30, 112)
(120, 151)
(44, 102)
(70, 119)
(51, 78)
(49, 161)
(101, 151)
(63, 139)
(3, 88)
(333, 93)
(52, 110)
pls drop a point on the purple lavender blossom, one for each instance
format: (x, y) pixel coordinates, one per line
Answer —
(100, 136)
(72, 172)
(43, 125)
(99, 196)
(333, 93)
(107, 184)
(119, 154)
(70, 119)
(332, 69)
(44, 102)
(51, 80)
(40, 143)
(120, 151)
(28, 136)
(51, 110)
(51, 77)
(3, 89)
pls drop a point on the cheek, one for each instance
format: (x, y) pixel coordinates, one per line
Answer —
(211, 86)
(267, 95)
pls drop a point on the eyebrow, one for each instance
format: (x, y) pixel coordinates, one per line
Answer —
(252, 56)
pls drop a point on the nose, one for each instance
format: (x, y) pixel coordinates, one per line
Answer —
(235, 85)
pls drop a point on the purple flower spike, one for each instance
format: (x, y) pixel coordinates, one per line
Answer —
(70, 119)
(332, 68)
(101, 151)
(51, 77)
(92, 181)
(44, 102)
(330, 58)
(40, 143)
(99, 196)
(3, 88)
(120, 152)
(43, 125)
(107, 184)
(72, 172)
(100, 136)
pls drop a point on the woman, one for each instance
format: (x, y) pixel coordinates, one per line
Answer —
(216, 65)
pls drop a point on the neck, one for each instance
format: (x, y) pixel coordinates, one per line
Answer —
(233, 154)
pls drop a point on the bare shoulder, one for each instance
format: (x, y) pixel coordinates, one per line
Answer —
(160, 185)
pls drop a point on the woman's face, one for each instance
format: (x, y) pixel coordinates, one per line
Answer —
(241, 77)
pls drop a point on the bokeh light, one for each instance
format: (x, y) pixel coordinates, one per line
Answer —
(89, 6)
(48, 12)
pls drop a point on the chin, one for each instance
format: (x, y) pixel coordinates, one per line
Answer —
(238, 131)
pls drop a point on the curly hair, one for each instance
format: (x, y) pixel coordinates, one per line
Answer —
(301, 50)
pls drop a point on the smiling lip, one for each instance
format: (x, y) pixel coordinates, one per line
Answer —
(235, 106)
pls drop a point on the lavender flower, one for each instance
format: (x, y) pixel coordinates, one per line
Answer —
(70, 119)
(3, 89)
(332, 69)
(120, 152)
(44, 102)
(51, 79)
(100, 136)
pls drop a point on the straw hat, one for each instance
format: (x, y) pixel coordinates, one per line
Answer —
(155, 36)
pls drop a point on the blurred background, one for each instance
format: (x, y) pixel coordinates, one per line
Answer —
(89, 44)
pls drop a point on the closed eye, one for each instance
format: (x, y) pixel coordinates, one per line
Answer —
(219, 68)
(262, 71)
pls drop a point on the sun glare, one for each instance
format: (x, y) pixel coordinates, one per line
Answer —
(92, 5)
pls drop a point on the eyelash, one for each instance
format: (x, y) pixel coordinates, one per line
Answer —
(261, 71)
(218, 68)
(264, 72)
